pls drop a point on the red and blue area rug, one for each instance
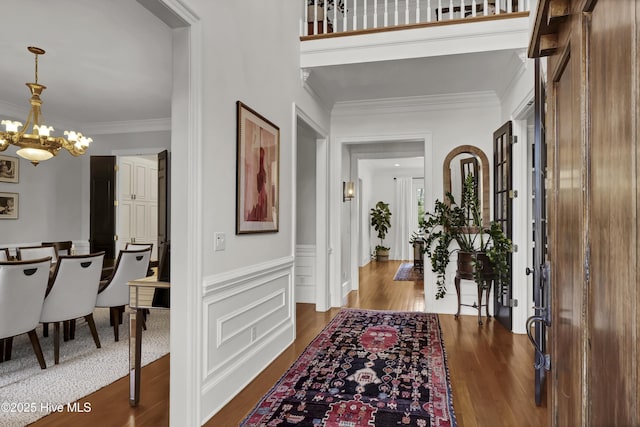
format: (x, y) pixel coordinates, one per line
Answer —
(366, 368)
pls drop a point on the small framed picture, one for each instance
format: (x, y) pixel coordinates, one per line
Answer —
(9, 169)
(9, 205)
(257, 185)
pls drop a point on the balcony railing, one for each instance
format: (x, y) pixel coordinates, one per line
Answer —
(322, 17)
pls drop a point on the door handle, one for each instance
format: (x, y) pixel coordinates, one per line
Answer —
(541, 358)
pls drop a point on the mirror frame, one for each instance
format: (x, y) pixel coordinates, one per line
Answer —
(484, 167)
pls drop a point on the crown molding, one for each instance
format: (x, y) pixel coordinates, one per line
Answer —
(20, 113)
(128, 126)
(416, 104)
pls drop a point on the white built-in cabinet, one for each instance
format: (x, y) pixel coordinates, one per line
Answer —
(138, 202)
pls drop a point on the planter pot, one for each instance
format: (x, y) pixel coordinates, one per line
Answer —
(466, 265)
(382, 255)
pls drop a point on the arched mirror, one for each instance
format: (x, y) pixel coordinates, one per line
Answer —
(463, 161)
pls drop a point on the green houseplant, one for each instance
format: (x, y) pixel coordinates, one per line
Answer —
(486, 247)
(381, 222)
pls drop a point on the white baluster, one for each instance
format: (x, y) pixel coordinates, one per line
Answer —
(375, 14)
(345, 19)
(485, 8)
(450, 9)
(386, 13)
(324, 19)
(418, 11)
(396, 14)
(440, 17)
(364, 15)
(473, 8)
(315, 16)
(498, 7)
(355, 15)
(406, 12)
(428, 10)
(509, 6)
(335, 19)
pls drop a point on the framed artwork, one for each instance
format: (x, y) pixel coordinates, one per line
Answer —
(9, 169)
(258, 171)
(9, 205)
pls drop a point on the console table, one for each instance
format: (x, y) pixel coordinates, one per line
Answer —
(141, 294)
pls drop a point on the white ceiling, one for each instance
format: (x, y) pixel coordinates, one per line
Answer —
(105, 61)
(392, 165)
(474, 72)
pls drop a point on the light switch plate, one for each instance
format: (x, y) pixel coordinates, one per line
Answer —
(221, 241)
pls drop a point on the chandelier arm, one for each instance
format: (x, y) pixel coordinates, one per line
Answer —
(38, 145)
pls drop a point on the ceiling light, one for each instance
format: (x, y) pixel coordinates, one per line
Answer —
(39, 145)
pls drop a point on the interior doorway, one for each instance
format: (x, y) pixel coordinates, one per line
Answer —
(137, 218)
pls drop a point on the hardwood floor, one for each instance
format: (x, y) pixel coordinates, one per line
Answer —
(490, 368)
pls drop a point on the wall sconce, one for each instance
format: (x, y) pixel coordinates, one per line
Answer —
(348, 191)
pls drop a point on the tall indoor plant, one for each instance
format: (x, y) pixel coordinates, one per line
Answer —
(381, 222)
(486, 247)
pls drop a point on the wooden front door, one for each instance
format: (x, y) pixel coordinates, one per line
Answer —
(594, 94)
(612, 183)
(503, 214)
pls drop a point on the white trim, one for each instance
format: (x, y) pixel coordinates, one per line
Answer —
(427, 151)
(416, 104)
(129, 126)
(185, 400)
(323, 290)
(217, 283)
(424, 42)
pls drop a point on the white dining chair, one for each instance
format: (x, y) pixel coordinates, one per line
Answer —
(72, 294)
(114, 292)
(22, 288)
(35, 252)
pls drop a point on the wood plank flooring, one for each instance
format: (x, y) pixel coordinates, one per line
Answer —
(490, 368)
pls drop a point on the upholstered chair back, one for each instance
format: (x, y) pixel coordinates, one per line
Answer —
(130, 265)
(22, 288)
(74, 287)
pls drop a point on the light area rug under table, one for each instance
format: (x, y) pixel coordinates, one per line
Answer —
(27, 392)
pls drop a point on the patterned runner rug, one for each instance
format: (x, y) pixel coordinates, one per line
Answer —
(406, 272)
(366, 368)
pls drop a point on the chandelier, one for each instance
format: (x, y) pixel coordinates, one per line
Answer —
(39, 145)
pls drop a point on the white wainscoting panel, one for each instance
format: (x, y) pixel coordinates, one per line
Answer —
(305, 268)
(249, 320)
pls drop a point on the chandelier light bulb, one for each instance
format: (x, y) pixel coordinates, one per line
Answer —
(43, 130)
(10, 125)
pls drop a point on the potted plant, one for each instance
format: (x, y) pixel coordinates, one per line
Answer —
(381, 222)
(482, 250)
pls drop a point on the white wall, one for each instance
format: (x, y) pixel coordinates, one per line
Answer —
(306, 187)
(50, 202)
(248, 316)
